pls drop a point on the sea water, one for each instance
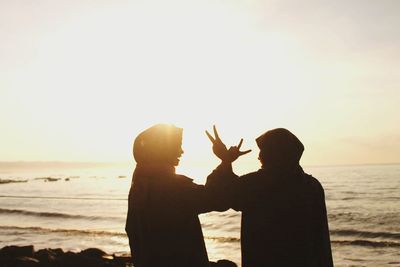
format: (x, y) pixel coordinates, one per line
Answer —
(76, 206)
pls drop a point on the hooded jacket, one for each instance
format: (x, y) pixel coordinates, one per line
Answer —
(162, 221)
(284, 217)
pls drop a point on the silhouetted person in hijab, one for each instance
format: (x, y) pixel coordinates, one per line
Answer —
(162, 222)
(284, 218)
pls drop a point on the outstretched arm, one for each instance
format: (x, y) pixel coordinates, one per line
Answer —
(222, 181)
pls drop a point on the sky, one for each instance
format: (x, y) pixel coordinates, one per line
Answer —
(80, 79)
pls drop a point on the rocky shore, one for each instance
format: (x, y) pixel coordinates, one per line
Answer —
(26, 256)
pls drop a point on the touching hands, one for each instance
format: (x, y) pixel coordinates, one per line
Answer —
(220, 150)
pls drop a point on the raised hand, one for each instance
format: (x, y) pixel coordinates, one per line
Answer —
(219, 147)
(234, 151)
(220, 150)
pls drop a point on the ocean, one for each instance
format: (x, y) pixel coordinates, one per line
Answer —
(77, 206)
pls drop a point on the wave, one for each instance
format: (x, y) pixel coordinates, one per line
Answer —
(62, 231)
(356, 218)
(364, 243)
(63, 198)
(365, 234)
(367, 243)
(53, 214)
(349, 198)
(75, 232)
(391, 198)
(222, 239)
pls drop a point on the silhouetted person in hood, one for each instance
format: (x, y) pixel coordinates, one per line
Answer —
(284, 219)
(162, 222)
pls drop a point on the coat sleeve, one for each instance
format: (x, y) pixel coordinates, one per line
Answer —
(215, 195)
(229, 189)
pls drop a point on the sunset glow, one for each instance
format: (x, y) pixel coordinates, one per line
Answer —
(82, 81)
(79, 80)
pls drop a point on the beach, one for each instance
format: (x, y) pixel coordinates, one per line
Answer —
(79, 207)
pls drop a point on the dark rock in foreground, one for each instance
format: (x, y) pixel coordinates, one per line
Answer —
(223, 263)
(25, 256)
(16, 251)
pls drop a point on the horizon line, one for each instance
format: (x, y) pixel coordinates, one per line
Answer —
(130, 162)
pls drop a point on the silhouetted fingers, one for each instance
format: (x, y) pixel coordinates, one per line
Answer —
(244, 152)
(210, 137)
(216, 133)
(240, 143)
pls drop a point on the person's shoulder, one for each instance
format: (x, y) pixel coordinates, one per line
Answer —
(251, 175)
(313, 182)
(179, 178)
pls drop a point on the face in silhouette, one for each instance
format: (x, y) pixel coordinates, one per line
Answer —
(260, 159)
(174, 156)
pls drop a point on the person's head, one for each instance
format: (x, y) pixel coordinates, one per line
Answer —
(159, 144)
(279, 148)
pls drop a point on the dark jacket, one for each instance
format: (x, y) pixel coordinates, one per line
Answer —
(162, 222)
(284, 220)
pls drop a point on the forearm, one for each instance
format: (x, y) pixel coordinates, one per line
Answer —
(219, 187)
(225, 167)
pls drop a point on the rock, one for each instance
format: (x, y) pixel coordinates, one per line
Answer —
(24, 262)
(93, 253)
(48, 255)
(57, 251)
(223, 263)
(86, 258)
(14, 256)
(16, 251)
(122, 260)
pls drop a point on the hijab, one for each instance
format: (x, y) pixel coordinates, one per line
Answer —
(152, 151)
(156, 144)
(280, 150)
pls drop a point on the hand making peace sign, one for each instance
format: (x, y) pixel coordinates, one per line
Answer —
(220, 150)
